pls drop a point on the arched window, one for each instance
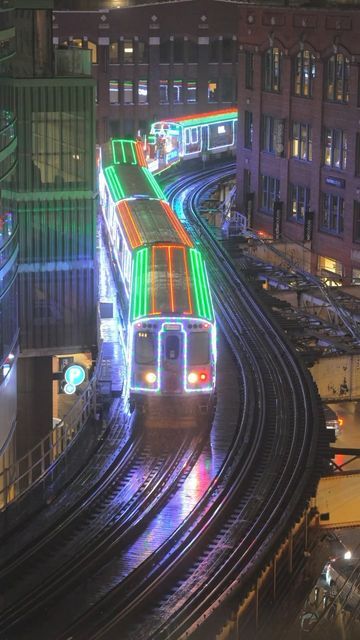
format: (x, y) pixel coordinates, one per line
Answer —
(304, 73)
(272, 69)
(337, 78)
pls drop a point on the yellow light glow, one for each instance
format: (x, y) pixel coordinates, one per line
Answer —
(193, 377)
(150, 377)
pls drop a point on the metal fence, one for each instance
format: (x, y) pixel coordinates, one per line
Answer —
(20, 476)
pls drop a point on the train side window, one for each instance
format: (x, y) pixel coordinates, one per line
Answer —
(172, 347)
(144, 348)
(198, 348)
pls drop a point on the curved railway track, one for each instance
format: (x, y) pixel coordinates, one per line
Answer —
(221, 544)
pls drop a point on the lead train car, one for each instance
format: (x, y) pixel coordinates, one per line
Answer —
(171, 335)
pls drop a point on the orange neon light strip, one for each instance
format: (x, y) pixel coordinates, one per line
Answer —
(171, 281)
(153, 312)
(176, 224)
(140, 154)
(187, 282)
(129, 224)
(169, 249)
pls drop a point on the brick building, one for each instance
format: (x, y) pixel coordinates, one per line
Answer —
(299, 128)
(154, 60)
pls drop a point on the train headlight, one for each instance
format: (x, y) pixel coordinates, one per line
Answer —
(193, 377)
(150, 377)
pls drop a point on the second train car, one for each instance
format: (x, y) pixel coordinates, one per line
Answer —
(171, 333)
(186, 137)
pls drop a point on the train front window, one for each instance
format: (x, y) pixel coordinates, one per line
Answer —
(144, 348)
(198, 348)
(172, 347)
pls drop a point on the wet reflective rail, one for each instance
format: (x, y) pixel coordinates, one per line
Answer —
(183, 533)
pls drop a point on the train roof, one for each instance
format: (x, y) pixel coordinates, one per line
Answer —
(125, 171)
(145, 221)
(209, 117)
(171, 280)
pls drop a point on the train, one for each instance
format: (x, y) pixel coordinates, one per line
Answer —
(170, 321)
(192, 136)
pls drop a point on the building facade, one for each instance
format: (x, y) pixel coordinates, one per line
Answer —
(9, 326)
(53, 197)
(298, 171)
(154, 60)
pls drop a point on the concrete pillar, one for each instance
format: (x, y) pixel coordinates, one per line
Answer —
(34, 419)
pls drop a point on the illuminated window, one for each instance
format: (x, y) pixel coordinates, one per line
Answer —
(191, 93)
(272, 69)
(128, 51)
(270, 191)
(332, 213)
(142, 91)
(355, 276)
(113, 91)
(272, 135)
(335, 148)
(164, 91)
(304, 73)
(128, 92)
(337, 78)
(329, 264)
(299, 198)
(212, 91)
(144, 348)
(178, 92)
(93, 48)
(114, 53)
(301, 141)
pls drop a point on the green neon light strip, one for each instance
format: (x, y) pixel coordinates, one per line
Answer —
(123, 151)
(154, 185)
(117, 191)
(195, 279)
(208, 292)
(115, 143)
(114, 152)
(139, 301)
(202, 296)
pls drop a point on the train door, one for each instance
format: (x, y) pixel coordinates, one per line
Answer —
(172, 361)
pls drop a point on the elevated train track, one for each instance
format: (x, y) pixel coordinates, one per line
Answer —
(205, 569)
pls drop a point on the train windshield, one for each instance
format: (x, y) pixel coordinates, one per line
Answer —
(144, 348)
(198, 348)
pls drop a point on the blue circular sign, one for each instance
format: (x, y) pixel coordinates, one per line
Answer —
(75, 375)
(69, 388)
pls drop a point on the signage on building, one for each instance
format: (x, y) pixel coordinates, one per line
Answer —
(74, 376)
(308, 225)
(335, 182)
(277, 219)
